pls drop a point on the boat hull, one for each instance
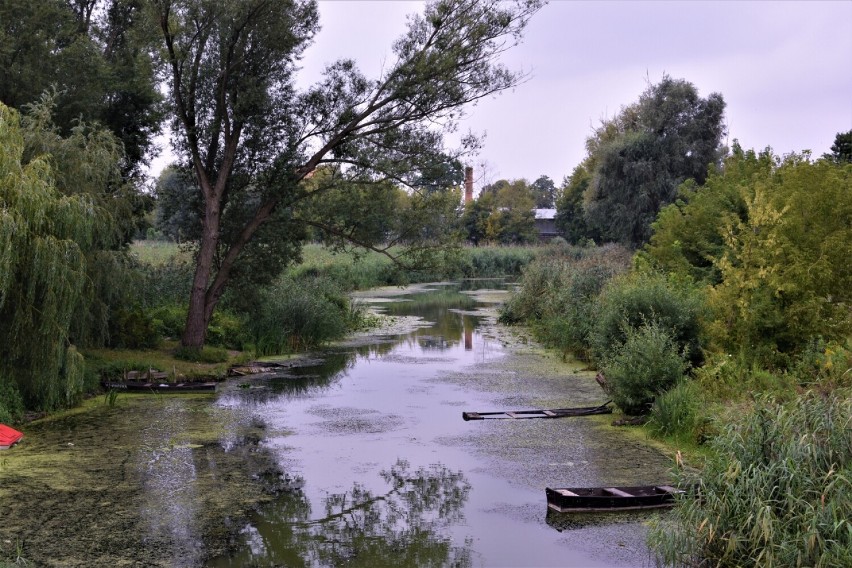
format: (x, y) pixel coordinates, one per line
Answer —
(549, 413)
(603, 499)
(144, 386)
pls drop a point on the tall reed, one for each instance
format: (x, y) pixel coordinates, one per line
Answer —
(776, 492)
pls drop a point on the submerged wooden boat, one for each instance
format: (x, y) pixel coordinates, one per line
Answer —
(9, 437)
(551, 413)
(155, 386)
(599, 499)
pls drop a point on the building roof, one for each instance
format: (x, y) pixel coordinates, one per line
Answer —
(545, 213)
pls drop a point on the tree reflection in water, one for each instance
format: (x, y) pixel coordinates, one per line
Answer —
(401, 527)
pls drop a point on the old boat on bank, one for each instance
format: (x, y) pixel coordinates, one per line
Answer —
(154, 386)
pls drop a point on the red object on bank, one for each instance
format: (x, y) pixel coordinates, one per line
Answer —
(8, 436)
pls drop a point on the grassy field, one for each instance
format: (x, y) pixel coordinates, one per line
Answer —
(368, 269)
(157, 253)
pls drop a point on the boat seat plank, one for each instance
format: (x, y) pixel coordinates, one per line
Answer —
(512, 415)
(566, 493)
(549, 413)
(616, 491)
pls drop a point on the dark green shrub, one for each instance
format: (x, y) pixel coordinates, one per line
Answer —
(170, 320)
(776, 491)
(132, 329)
(166, 283)
(11, 403)
(296, 314)
(677, 413)
(226, 330)
(636, 299)
(646, 365)
(558, 292)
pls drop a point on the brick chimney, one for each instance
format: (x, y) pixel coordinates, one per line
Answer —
(468, 185)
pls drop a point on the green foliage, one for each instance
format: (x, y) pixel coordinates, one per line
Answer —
(772, 239)
(44, 238)
(823, 365)
(558, 293)
(727, 378)
(841, 149)
(570, 216)
(544, 192)
(88, 161)
(639, 299)
(179, 205)
(133, 329)
(491, 262)
(97, 58)
(205, 355)
(227, 330)
(166, 283)
(776, 492)
(503, 214)
(638, 161)
(645, 365)
(297, 314)
(169, 320)
(677, 413)
(11, 403)
(785, 275)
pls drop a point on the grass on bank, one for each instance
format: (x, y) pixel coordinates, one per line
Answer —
(114, 363)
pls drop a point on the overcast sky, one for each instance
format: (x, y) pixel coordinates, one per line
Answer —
(784, 69)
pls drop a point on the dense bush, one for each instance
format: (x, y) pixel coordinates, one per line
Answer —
(301, 313)
(729, 378)
(645, 365)
(775, 257)
(677, 414)
(132, 329)
(168, 282)
(776, 492)
(11, 403)
(558, 293)
(640, 298)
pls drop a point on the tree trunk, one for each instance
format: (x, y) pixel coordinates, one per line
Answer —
(200, 310)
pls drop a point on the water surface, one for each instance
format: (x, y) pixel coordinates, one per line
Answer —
(388, 474)
(356, 455)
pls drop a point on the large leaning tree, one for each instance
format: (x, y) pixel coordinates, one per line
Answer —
(250, 136)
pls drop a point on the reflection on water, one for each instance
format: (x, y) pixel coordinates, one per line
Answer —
(397, 526)
(458, 494)
(168, 473)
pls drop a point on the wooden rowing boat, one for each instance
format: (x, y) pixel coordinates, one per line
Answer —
(601, 499)
(9, 437)
(154, 386)
(551, 413)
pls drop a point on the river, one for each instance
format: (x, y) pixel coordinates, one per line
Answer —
(356, 455)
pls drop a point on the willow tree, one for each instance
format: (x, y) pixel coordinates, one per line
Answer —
(44, 238)
(641, 157)
(250, 136)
